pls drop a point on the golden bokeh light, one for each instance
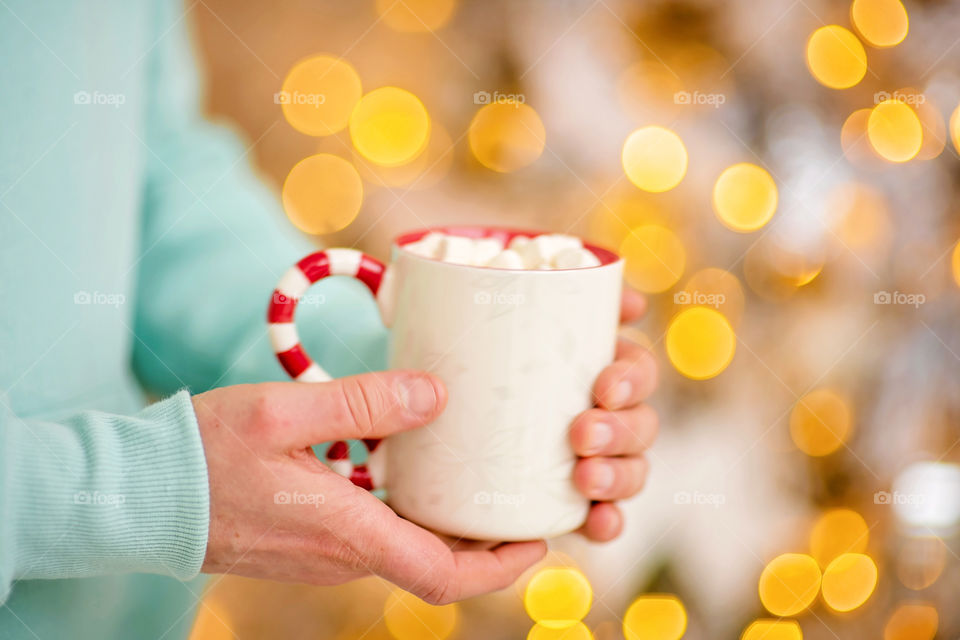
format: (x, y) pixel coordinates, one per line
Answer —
(789, 584)
(654, 258)
(319, 94)
(775, 273)
(849, 581)
(744, 197)
(322, 194)
(772, 630)
(700, 342)
(716, 288)
(895, 131)
(576, 631)
(654, 158)
(613, 218)
(934, 130)
(558, 597)
(882, 23)
(410, 618)
(389, 126)
(506, 136)
(415, 16)
(853, 138)
(423, 172)
(835, 57)
(955, 128)
(655, 617)
(821, 422)
(912, 621)
(955, 263)
(920, 562)
(836, 532)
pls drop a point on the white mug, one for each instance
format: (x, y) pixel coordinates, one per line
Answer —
(518, 350)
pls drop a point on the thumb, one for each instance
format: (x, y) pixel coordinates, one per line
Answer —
(372, 405)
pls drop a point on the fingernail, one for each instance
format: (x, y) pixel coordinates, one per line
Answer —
(621, 393)
(417, 395)
(599, 435)
(601, 479)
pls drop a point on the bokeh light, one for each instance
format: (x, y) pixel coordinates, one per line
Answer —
(745, 197)
(322, 194)
(955, 128)
(849, 581)
(389, 126)
(789, 584)
(655, 258)
(821, 422)
(426, 170)
(613, 218)
(920, 561)
(772, 630)
(415, 16)
(319, 94)
(558, 597)
(655, 617)
(717, 288)
(836, 532)
(882, 23)
(895, 131)
(912, 621)
(955, 263)
(933, 129)
(700, 342)
(506, 136)
(654, 158)
(576, 631)
(835, 57)
(410, 618)
(855, 142)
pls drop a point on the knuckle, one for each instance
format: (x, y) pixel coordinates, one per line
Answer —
(441, 592)
(265, 407)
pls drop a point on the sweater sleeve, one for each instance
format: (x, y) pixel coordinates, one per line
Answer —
(214, 244)
(100, 493)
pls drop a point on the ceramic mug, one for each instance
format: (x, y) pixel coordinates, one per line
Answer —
(519, 351)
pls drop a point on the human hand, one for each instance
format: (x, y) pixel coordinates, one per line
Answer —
(257, 442)
(612, 438)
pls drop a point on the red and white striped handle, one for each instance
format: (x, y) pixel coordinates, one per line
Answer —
(293, 357)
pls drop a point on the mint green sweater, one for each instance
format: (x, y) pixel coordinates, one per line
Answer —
(138, 250)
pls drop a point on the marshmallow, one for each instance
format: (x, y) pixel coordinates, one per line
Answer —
(575, 258)
(508, 259)
(457, 250)
(548, 251)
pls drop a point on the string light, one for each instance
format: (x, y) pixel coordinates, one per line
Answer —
(836, 532)
(558, 597)
(389, 126)
(506, 136)
(410, 618)
(821, 422)
(912, 621)
(415, 16)
(895, 131)
(654, 159)
(576, 631)
(882, 23)
(744, 197)
(322, 194)
(655, 258)
(835, 57)
(789, 584)
(700, 342)
(655, 617)
(318, 95)
(772, 630)
(849, 581)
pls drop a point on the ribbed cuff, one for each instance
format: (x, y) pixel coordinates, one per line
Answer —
(104, 493)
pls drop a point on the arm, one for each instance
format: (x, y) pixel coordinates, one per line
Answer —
(101, 493)
(214, 244)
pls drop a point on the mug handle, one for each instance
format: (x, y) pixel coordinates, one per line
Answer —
(293, 357)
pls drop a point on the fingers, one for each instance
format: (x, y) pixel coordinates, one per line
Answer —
(630, 379)
(420, 562)
(604, 522)
(371, 405)
(633, 305)
(596, 432)
(610, 478)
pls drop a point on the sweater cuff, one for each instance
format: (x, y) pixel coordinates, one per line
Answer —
(103, 493)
